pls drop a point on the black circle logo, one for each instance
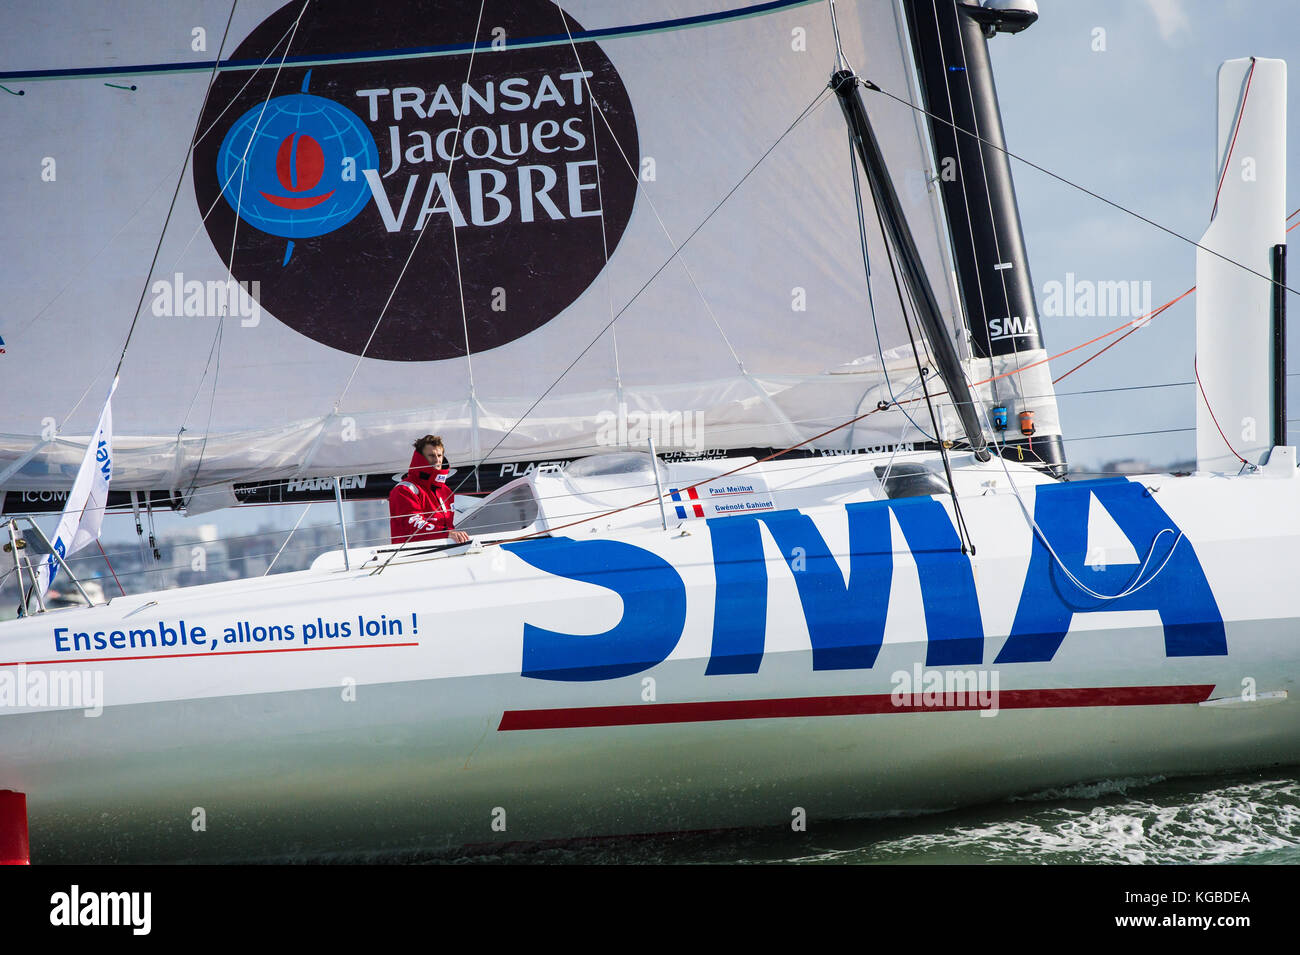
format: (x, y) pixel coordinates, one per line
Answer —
(380, 158)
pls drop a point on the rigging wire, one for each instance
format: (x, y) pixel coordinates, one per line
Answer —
(217, 339)
(988, 198)
(855, 482)
(900, 402)
(970, 229)
(652, 500)
(292, 531)
(841, 61)
(1074, 185)
(600, 198)
(791, 469)
(110, 566)
(1135, 328)
(460, 117)
(821, 93)
(180, 180)
(1014, 156)
(1137, 324)
(455, 253)
(197, 229)
(163, 232)
(816, 437)
(1137, 582)
(1132, 323)
(904, 401)
(189, 154)
(889, 465)
(1133, 434)
(871, 301)
(690, 275)
(238, 168)
(219, 336)
(962, 530)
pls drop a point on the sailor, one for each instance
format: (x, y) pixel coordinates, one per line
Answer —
(420, 507)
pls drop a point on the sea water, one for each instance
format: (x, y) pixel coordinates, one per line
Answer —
(1242, 819)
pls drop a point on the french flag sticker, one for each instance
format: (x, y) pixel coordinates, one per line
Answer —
(685, 498)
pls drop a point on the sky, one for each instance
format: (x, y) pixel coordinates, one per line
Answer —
(1134, 122)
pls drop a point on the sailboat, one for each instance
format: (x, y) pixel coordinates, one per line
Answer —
(730, 308)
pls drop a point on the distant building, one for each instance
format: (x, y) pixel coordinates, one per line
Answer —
(368, 524)
(1128, 466)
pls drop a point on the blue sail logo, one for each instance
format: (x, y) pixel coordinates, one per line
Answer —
(302, 159)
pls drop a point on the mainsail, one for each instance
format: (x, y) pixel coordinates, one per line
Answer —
(520, 225)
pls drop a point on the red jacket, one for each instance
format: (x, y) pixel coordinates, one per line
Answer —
(420, 507)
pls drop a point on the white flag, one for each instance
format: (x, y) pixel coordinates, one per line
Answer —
(84, 511)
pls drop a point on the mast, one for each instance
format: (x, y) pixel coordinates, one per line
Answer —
(949, 43)
(848, 87)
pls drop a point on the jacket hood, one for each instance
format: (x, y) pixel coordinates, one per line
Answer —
(421, 473)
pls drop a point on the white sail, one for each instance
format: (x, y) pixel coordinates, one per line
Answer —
(307, 367)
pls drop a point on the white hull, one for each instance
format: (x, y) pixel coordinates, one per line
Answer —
(417, 777)
(434, 743)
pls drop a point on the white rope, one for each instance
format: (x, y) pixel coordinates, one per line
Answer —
(889, 465)
(202, 221)
(219, 335)
(780, 417)
(677, 253)
(871, 301)
(600, 197)
(287, 539)
(239, 167)
(460, 118)
(1133, 588)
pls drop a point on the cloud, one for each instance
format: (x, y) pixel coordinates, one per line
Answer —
(1171, 18)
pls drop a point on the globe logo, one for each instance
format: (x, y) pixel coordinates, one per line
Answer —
(293, 181)
(319, 192)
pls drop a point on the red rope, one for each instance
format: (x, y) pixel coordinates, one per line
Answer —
(1135, 327)
(1152, 315)
(716, 477)
(110, 567)
(1132, 326)
(1235, 130)
(1213, 418)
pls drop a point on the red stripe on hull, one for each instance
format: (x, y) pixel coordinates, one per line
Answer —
(651, 713)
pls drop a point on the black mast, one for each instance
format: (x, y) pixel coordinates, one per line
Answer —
(949, 42)
(1279, 346)
(848, 87)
